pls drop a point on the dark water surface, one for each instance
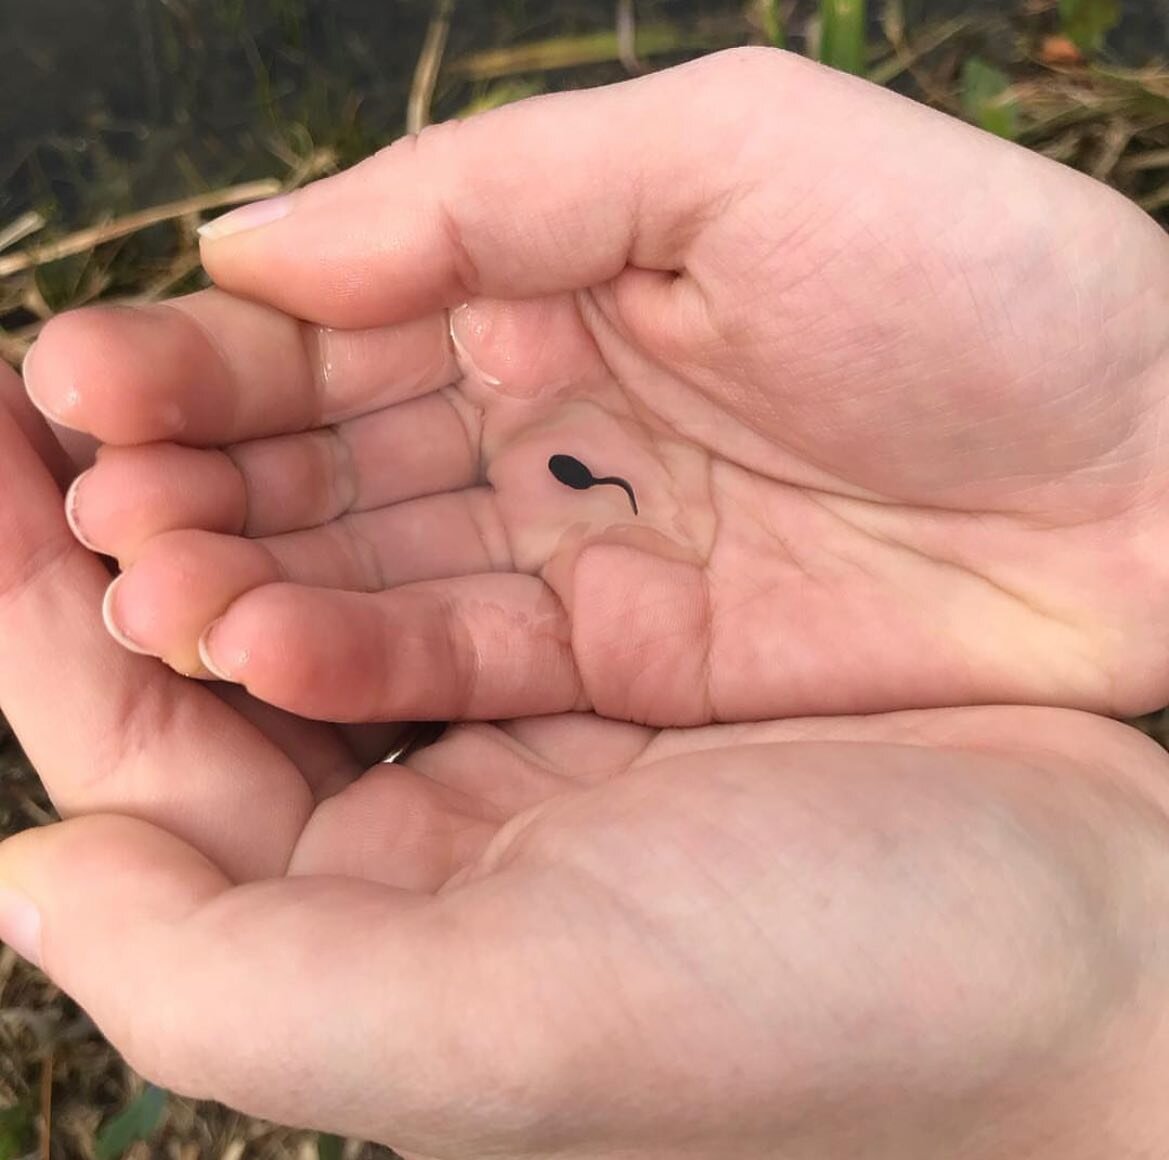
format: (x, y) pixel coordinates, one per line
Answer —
(114, 104)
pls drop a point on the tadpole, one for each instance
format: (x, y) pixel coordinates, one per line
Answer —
(572, 473)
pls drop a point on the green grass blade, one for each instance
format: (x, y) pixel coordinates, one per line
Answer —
(16, 1132)
(842, 34)
(987, 100)
(772, 20)
(135, 1122)
(329, 1147)
(501, 93)
(1087, 22)
(562, 52)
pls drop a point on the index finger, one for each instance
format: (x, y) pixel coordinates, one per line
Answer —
(210, 369)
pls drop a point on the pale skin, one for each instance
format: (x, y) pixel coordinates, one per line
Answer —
(912, 934)
(892, 418)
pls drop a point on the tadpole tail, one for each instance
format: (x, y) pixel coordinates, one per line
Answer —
(621, 483)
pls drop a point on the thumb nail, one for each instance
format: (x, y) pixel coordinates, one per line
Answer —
(247, 217)
(460, 320)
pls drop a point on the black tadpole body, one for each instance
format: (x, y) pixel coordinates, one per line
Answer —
(572, 473)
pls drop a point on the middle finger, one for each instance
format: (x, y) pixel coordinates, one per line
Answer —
(264, 487)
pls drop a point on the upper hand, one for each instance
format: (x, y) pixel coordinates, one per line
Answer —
(890, 412)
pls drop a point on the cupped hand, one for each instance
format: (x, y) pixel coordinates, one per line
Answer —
(878, 398)
(923, 934)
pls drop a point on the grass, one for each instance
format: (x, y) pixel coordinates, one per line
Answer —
(78, 225)
(842, 34)
(1031, 76)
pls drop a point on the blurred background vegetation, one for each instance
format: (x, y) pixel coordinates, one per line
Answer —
(126, 123)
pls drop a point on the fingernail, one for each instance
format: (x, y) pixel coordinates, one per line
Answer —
(223, 667)
(71, 513)
(110, 617)
(20, 924)
(455, 320)
(55, 409)
(247, 217)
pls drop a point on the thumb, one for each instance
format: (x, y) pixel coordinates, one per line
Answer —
(550, 194)
(324, 1002)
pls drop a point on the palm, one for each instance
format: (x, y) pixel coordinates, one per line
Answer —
(820, 532)
(695, 905)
